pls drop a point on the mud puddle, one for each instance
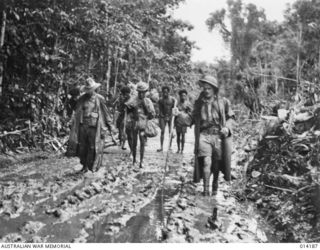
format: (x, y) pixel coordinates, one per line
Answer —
(145, 226)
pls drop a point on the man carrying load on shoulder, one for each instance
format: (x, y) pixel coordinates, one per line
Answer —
(213, 118)
(140, 109)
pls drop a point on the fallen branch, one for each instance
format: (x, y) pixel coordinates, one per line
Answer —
(303, 188)
(16, 132)
(54, 147)
(281, 189)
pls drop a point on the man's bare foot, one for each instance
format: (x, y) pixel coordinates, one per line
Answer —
(178, 151)
(159, 150)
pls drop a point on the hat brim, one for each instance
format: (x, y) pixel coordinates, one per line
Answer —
(210, 83)
(86, 89)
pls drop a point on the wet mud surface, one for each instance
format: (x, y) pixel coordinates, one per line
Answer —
(49, 200)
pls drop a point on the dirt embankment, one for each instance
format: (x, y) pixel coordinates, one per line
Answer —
(283, 177)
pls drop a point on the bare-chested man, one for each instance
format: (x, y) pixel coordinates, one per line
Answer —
(166, 104)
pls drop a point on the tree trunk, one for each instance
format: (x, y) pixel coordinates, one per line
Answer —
(128, 66)
(149, 74)
(3, 30)
(298, 55)
(90, 62)
(261, 72)
(319, 59)
(116, 75)
(108, 75)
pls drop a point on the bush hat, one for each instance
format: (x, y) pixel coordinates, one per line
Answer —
(90, 85)
(142, 86)
(210, 80)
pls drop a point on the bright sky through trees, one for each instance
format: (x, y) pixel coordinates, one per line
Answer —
(210, 44)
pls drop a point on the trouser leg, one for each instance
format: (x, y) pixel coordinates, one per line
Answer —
(206, 174)
(83, 149)
(91, 153)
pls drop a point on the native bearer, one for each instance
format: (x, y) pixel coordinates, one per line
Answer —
(166, 104)
(141, 109)
(124, 97)
(212, 116)
(90, 122)
(182, 119)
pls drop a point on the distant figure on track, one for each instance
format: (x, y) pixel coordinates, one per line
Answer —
(212, 116)
(90, 122)
(124, 97)
(166, 104)
(181, 121)
(141, 109)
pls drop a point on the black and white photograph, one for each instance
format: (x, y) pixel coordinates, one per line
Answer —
(159, 121)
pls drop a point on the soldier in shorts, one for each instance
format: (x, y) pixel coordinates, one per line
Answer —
(213, 117)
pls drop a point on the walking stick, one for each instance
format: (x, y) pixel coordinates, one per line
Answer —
(163, 224)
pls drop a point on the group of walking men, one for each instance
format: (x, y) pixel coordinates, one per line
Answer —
(211, 116)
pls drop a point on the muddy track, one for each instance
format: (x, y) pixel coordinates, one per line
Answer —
(50, 201)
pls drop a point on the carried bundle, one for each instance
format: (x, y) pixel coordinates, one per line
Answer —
(151, 129)
(183, 119)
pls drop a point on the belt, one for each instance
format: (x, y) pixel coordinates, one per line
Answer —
(210, 131)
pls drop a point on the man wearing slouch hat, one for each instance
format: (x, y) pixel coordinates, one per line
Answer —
(213, 118)
(90, 122)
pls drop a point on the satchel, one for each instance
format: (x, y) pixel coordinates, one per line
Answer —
(151, 129)
(183, 120)
(141, 123)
